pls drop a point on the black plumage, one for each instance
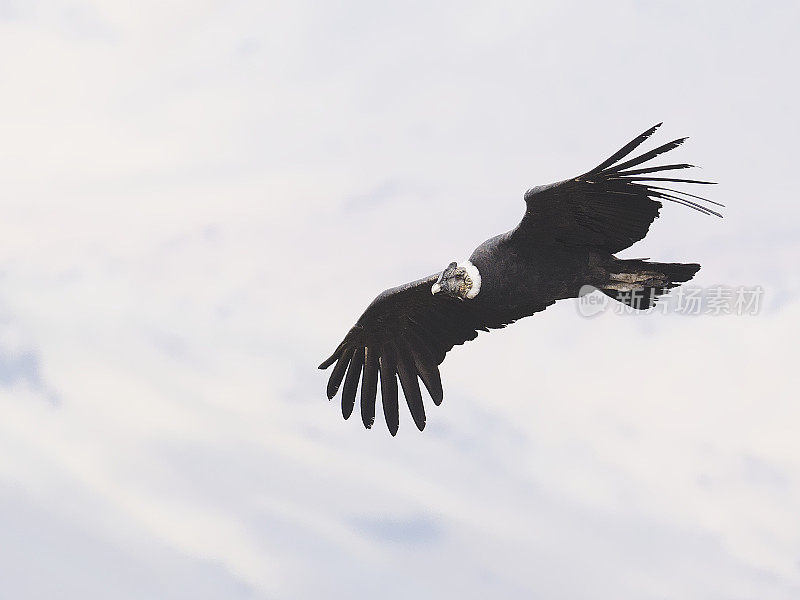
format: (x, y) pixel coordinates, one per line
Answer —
(566, 240)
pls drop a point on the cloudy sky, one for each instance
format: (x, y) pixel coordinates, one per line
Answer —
(198, 200)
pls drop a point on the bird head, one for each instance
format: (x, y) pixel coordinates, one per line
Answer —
(462, 281)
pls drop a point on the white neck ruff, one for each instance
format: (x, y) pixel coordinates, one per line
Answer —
(474, 275)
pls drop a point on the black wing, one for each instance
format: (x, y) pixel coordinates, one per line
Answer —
(610, 207)
(405, 333)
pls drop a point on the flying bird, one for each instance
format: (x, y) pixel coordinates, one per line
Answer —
(566, 240)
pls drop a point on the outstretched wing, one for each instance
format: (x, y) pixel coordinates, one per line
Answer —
(610, 207)
(405, 333)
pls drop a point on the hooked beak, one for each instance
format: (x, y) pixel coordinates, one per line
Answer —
(436, 288)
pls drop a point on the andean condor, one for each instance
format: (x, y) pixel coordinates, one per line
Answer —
(566, 240)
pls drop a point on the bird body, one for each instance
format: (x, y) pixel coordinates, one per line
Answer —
(515, 275)
(566, 240)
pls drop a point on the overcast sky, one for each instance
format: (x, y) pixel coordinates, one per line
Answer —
(199, 199)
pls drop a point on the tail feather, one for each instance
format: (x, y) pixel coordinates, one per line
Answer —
(639, 283)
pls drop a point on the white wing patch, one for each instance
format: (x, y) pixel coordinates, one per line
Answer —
(475, 276)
